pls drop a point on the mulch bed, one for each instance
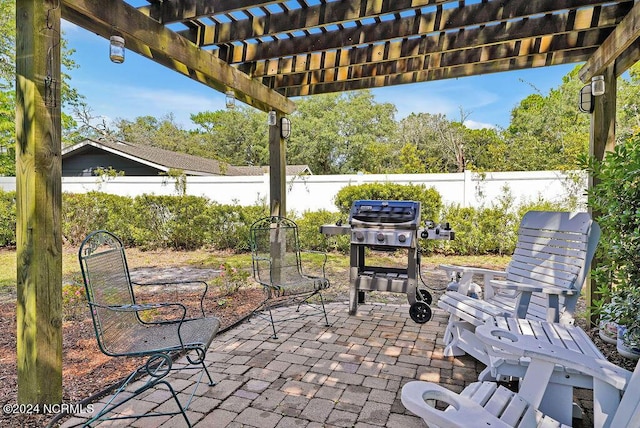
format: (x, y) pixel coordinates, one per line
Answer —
(86, 370)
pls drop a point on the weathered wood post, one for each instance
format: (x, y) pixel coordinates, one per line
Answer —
(277, 166)
(602, 139)
(38, 200)
(277, 191)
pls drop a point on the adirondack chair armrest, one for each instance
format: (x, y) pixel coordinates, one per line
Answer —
(463, 275)
(460, 413)
(505, 344)
(470, 269)
(201, 287)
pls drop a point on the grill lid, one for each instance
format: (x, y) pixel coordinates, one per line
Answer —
(384, 213)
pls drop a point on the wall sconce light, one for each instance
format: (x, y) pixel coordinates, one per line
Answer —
(116, 49)
(597, 85)
(230, 100)
(585, 103)
(285, 127)
(271, 118)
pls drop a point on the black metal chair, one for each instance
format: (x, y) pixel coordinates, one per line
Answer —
(126, 326)
(278, 267)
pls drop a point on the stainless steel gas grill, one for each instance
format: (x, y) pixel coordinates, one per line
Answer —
(388, 226)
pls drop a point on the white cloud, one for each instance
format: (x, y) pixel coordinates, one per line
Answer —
(472, 124)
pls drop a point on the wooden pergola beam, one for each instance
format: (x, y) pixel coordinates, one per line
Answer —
(300, 19)
(439, 60)
(170, 11)
(154, 41)
(620, 49)
(418, 25)
(551, 30)
(509, 64)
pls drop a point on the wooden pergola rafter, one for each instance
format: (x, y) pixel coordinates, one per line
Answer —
(266, 51)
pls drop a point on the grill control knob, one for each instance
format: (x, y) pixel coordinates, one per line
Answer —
(359, 236)
(402, 238)
(380, 237)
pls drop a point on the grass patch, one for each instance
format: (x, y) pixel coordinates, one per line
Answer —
(336, 262)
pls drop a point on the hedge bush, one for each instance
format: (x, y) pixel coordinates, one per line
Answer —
(7, 218)
(85, 212)
(429, 198)
(190, 222)
(310, 236)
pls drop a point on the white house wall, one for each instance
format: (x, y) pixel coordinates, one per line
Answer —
(316, 192)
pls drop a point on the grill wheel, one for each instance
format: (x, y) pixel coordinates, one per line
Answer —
(420, 312)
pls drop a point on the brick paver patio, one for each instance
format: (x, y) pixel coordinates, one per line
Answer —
(346, 375)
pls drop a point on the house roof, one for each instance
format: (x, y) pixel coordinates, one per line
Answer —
(165, 160)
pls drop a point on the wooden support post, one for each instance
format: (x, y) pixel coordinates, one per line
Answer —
(38, 200)
(277, 168)
(602, 139)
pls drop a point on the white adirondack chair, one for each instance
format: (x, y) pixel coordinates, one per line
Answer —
(486, 404)
(542, 281)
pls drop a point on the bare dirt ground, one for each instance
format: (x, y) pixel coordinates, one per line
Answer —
(86, 370)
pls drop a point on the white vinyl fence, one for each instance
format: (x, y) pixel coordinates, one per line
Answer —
(316, 192)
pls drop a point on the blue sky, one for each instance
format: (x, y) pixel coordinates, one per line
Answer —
(140, 87)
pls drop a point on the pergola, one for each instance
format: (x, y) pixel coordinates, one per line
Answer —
(267, 51)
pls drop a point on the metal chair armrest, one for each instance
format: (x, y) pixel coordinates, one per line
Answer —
(203, 284)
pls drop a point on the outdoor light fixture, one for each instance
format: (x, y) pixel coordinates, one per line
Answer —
(585, 104)
(230, 100)
(116, 49)
(271, 119)
(597, 85)
(285, 128)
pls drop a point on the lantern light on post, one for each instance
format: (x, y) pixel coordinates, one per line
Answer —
(230, 100)
(597, 85)
(116, 49)
(285, 128)
(271, 118)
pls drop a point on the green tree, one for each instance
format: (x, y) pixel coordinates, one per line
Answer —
(70, 96)
(485, 150)
(628, 105)
(548, 131)
(239, 136)
(342, 133)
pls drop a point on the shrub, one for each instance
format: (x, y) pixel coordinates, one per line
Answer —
(178, 222)
(481, 230)
(230, 279)
(429, 198)
(615, 200)
(229, 225)
(74, 302)
(310, 236)
(7, 218)
(85, 212)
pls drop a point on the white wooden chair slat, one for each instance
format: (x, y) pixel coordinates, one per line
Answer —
(521, 409)
(548, 267)
(531, 234)
(559, 238)
(540, 276)
(575, 223)
(549, 254)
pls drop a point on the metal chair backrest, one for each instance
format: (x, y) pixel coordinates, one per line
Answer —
(107, 283)
(276, 252)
